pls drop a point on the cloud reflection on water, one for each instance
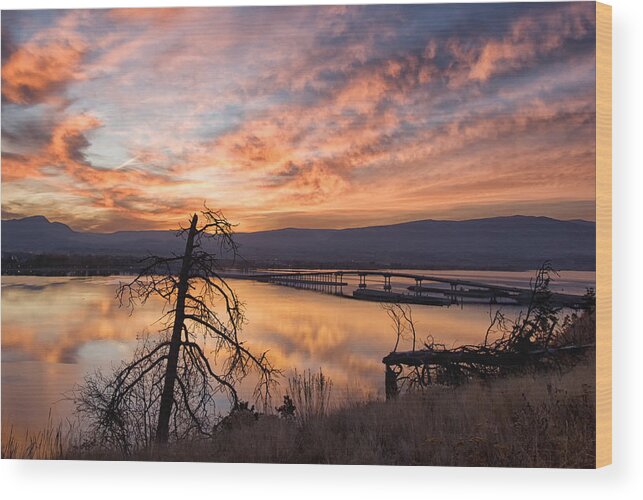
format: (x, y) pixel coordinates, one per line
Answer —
(56, 330)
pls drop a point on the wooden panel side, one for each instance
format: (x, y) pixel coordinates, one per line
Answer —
(603, 234)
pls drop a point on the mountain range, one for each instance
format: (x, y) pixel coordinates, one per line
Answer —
(514, 242)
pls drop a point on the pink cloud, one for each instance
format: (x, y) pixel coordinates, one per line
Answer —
(38, 73)
(528, 39)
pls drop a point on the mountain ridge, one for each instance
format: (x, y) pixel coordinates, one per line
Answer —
(506, 241)
(44, 218)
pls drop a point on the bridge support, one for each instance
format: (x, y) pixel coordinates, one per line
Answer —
(387, 282)
(362, 281)
(454, 294)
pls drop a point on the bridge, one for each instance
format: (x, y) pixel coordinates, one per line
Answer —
(459, 291)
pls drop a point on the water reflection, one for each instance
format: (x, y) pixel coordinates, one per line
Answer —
(56, 330)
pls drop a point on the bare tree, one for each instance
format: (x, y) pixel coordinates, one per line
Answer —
(172, 381)
(402, 318)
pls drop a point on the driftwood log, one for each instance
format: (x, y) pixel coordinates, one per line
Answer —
(464, 361)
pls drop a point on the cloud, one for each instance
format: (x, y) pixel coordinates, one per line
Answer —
(64, 148)
(530, 38)
(271, 113)
(36, 72)
(69, 140)
(148, 16)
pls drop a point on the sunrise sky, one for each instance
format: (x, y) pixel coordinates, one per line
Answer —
(298, 116)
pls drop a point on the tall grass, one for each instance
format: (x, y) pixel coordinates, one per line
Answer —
(49, 443)
(537, 420)
(310, 393)
(543, 419)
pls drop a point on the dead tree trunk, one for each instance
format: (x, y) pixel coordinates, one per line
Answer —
(167, 392)
(167, 396)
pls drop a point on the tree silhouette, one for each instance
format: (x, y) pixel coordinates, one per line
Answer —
(168, 390)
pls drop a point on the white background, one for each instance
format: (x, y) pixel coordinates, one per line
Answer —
(623, 479)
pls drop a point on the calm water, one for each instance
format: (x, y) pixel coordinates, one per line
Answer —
(57, 330)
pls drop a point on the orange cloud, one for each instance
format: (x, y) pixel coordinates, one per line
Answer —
(16, 166)
(68, 139)
(37, 73)
(529, 38)
(154, 15)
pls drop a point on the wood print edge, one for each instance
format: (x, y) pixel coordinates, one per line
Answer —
(603, 234)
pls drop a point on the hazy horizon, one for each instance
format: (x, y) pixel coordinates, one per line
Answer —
(238, 229)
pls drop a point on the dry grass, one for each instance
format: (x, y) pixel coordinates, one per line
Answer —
(310, 393)
(49, 443)
(536, 420)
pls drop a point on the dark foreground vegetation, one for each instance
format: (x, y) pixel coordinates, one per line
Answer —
(534, 420)
(530, 420)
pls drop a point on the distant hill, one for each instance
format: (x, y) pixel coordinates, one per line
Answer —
(516, 242)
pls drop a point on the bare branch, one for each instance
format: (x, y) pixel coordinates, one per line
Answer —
(171, 381)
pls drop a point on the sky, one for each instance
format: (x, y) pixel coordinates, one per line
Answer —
(319, 116)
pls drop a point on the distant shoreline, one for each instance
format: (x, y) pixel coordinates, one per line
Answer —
(129, 269)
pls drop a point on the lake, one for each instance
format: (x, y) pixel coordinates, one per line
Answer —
(55, 330)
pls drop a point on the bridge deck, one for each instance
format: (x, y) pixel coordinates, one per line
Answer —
(335, 279)
(417, 277)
